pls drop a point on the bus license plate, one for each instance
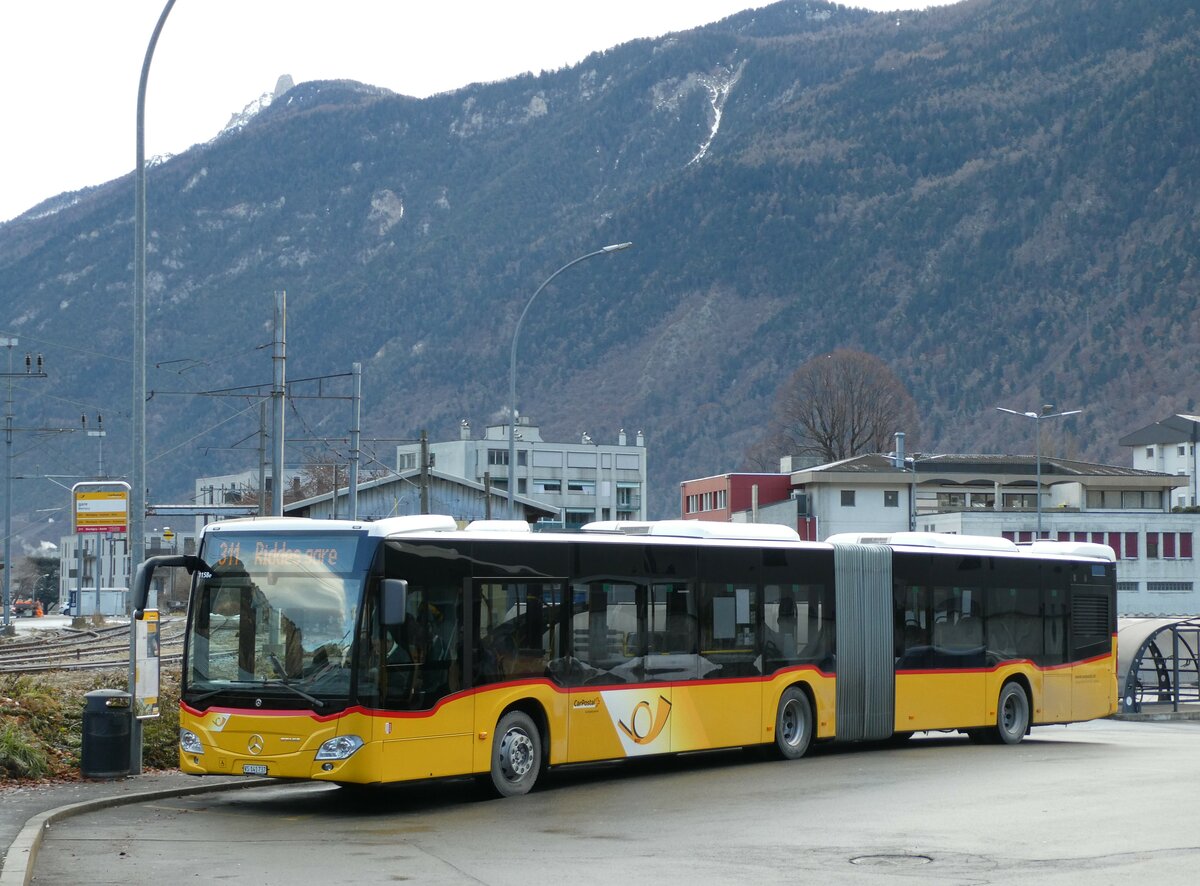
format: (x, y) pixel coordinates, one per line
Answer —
(254, 769)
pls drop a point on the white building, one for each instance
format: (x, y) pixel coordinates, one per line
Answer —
(1129, 509)
(583, 481)
(1169, 446)
(99, 562)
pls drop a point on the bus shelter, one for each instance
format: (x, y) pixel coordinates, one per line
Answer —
(1158, 663)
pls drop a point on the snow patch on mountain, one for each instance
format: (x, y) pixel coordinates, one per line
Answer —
(241, 119)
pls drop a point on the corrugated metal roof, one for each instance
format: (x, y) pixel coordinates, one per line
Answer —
(1179, 428)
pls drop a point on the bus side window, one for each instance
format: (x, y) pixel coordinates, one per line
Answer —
(729, 628)
(604, 630)
(517, 629)
(797, 626)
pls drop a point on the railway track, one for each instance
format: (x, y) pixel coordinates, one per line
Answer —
(85, 649)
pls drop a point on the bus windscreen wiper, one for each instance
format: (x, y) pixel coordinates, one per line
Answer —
(300, 692)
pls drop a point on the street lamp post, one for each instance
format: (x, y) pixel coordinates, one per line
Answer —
(1047, 412)
(137, 502)
(137, 473)
(512, 370)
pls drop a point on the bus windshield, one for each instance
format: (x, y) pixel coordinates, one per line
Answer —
(275, 616)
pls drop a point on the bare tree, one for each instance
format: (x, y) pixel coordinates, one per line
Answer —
(321, 475)
(840, 405)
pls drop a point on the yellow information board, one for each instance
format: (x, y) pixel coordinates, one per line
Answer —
(102, 511)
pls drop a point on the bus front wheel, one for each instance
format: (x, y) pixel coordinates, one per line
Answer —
(516, 754)
(793, 724)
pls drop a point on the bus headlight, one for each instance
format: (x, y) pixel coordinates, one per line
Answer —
(190, 742)
(339, 748)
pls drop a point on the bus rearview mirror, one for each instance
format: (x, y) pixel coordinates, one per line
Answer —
(395, 601)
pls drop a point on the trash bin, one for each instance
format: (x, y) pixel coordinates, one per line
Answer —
(106, 724)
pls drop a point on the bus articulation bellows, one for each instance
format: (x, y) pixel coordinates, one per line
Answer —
(408, 649)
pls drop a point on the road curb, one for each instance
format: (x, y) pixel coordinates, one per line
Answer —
(16, 868)
(1157, 716)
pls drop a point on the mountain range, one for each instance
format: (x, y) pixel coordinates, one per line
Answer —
(997, 198)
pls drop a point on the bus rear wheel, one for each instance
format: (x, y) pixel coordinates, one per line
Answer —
(793, 724)
(516, 755)
(1012, 714)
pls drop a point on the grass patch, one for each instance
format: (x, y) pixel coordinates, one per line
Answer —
(41, 723)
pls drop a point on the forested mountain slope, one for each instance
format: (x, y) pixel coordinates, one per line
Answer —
(998, 198)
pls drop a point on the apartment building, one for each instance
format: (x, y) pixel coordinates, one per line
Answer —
(582, 480)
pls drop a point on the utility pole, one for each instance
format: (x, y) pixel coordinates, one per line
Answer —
(10, 343)
(279, 362)
(424, 472)
(355, 430)
(263, 507)
(100, 434)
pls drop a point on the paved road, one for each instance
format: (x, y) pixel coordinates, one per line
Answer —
(1096, 803)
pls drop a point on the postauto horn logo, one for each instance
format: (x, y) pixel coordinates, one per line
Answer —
(645, 724)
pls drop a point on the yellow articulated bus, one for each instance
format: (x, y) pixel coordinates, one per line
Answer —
(409, 649)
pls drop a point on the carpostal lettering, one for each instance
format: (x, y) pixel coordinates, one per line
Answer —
(277, 553)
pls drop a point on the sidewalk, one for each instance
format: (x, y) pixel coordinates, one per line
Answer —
(27, 810)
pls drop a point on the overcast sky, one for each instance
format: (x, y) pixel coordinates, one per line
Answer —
(70, 68)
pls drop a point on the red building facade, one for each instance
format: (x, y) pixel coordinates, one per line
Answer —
(718, 498)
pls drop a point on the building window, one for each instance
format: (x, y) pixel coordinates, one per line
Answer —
(581, 487)
(1169, 587)
(578, 518)
(847, 498)
(891, 498)
(1149, 452)
(547, 458)
(1126, 499)
(497, 456)
(522, 458)
(547, 486)
(1181, 450)
(1128, 587)
(1131, 545)
(1169, 545)
(1114, 542)
(951, 500)
(407, 461)
(1019, 501)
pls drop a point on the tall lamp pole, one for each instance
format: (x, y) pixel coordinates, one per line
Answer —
(137, 503)
(512, 370)
(1047, 412)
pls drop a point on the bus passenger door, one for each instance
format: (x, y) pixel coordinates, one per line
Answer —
(612, 713)
(1056, 674)
(426, 721)
(722, 706)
